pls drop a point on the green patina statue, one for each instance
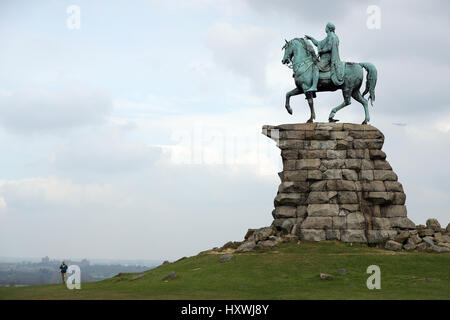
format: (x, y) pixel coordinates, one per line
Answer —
(326, 72)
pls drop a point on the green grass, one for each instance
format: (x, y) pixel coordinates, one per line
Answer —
(289, 271)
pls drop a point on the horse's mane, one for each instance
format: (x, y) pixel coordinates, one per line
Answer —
(307, 46)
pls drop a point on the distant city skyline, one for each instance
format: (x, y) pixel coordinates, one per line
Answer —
(142, 262)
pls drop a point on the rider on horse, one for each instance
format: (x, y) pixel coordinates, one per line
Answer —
(328, 50)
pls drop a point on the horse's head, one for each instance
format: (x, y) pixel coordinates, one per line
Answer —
(288, 52)
(297, 49)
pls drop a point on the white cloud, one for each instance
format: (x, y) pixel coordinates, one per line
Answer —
(2, 203)
(232, 139)
(143, 106)
(36, 194)
(107, 150)
(243, 50)
(38, 110)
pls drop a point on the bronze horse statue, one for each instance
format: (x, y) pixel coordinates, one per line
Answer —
(301, 57)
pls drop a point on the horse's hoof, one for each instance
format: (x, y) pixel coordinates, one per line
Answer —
(332, 120)
(310, 121)
(289, 110)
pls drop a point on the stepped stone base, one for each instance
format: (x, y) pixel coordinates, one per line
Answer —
(336, 184)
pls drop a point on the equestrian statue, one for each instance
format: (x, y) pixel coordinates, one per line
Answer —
(326, 72)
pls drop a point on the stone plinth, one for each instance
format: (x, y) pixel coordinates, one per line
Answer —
(336, 184)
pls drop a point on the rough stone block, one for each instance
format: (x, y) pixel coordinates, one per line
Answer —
(393, 186)
(350, 207)
(355, 154)
(333, 174)
(319, 135)
(393, 245)
(301, 211)
(312, 154)
(333, 234)
(339, 223)
(343, 144)
(318, 197)
(384, 175)
(402, 236)
(329, 126)
(292, 134)
(285, 212)
(377, 186)
(287, 225)
(334, 164)
(354, 164)
(293, 186)
(317, 223)
(356, 221)
(318, 185)
(433, 224)
(356, 127)
(399, 198)
(312, 235)
(290, 199)
(289, 154)
(296, 126)
(349, 174)
(336, 154)
(423, 232)
(321, 145)
(368, 143)
(289, 164)
(381, 165)
(347, 197)
(367, 164)
(366, 134)
(353, 236)
(380, 236)
(415, 239)
(307, 164)
(377, 155)
(291, 144)
(409, 246)
(314, 175)
(367, 175)
(340, 185)
(295, 175)
(393, 211)
(402, 223)
(379, 197)
(376, 211)
(322, 210)
(381, 223)
(338, 135)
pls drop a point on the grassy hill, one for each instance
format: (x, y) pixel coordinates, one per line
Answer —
(290, 271)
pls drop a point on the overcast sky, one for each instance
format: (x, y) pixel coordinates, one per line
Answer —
(138, 135)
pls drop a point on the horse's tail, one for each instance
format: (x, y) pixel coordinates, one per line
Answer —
(371, 80)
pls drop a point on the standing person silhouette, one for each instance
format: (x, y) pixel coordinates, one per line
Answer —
(63, 270)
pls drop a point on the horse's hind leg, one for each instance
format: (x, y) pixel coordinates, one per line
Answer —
(358, 97)
(311, 107)
(347, 101)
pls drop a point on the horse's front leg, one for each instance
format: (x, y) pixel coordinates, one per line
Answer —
(291, 93)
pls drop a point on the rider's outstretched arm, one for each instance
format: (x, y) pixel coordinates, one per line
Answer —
(314, 41)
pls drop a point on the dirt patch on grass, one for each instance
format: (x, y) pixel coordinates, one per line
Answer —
(229, 250)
